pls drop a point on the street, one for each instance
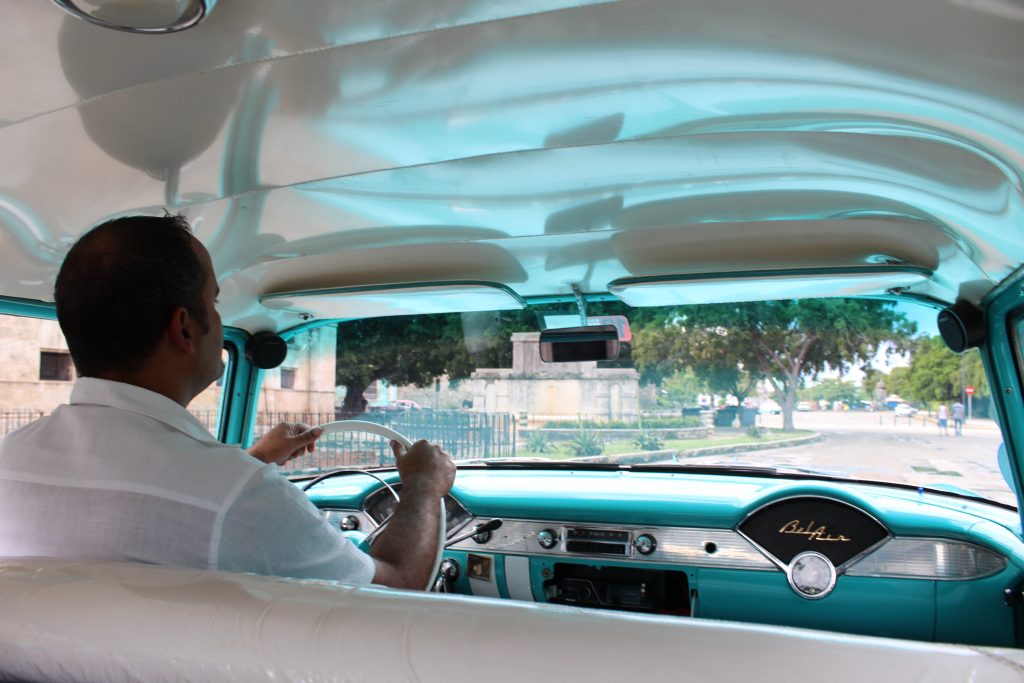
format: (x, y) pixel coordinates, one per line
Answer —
(877, 446)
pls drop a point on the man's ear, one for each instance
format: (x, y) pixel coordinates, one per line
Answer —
(181, 330)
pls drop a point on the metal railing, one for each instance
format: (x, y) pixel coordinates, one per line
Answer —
(462, 434)
(14, 419)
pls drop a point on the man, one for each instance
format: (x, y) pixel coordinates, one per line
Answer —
(125, 472)
(959, 413)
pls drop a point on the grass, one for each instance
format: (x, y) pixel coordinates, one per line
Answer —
(559, 451)
(926, 469)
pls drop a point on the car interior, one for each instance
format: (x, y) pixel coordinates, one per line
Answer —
(505, 199)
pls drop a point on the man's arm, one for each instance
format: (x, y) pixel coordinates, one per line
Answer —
(405, 552)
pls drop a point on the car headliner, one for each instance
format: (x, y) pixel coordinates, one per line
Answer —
(536, 146)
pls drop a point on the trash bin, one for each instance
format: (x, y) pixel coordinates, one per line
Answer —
(724, 416)
(748, 418)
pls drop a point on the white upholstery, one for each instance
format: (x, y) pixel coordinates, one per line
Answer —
(95, 621)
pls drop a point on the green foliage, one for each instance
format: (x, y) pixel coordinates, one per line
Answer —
(832, 390)
(586, 442)
(537, 442)
(417, 349)
(755, 432)
(936, 373)
(673, 422)
(781, 341)
(679, 389)
(649, 441)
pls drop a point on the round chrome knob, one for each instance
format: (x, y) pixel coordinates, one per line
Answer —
(349, 523)
(547, 539)
(450, 569)
(645, 544)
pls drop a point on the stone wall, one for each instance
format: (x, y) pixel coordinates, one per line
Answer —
(311, 358)
(23, 339)
(554, 390)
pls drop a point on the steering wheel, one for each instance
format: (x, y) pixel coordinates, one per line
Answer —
(387, 433)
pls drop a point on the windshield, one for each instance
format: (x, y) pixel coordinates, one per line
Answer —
(845, 388)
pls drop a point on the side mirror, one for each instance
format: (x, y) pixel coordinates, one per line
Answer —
(576, 344)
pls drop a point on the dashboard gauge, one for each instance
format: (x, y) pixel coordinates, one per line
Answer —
(811, 575)
(380, 505)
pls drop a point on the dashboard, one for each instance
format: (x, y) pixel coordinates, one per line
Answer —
(853, 558)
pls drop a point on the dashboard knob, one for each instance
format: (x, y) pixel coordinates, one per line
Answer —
(645, 544)
(349, 523)
(450, 569)
(547, 539)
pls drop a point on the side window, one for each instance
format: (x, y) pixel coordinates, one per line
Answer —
(206, 407)
(55, 366)
(35, 370)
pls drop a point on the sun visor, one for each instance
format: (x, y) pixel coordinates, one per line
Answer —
(395, 299)
(708, 288)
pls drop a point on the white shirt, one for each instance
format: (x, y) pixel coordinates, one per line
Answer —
(123, 473)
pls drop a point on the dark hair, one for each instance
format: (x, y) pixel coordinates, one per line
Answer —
(119, 285)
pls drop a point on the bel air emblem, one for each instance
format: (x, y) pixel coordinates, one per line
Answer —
(812, 533)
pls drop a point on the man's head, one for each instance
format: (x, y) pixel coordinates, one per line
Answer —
(128, 284)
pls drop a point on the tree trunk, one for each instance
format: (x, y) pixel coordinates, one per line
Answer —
(354, 404)
(789, 404)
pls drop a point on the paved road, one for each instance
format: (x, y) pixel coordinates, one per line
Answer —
(856, 445)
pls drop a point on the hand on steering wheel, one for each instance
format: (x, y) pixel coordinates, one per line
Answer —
(418, 464)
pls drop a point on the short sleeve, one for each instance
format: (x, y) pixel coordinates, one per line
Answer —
(271, 528)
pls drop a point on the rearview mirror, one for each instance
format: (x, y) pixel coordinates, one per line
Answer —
(576, 344)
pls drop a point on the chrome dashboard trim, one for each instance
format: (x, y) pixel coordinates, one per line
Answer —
(937, 559)
(676, 545)
(335, 515)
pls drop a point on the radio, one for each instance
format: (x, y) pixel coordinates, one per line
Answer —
(597, 541)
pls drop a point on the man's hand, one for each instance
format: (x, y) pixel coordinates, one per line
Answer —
(424, 468)
(405, 551)
(285, 441)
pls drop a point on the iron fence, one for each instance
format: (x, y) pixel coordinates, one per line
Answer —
(462, 434)
(13, 419)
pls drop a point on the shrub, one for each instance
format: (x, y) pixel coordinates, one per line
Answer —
(537, 442)
(648, 441)
(586, 442)
(755, 432)
(672, 422)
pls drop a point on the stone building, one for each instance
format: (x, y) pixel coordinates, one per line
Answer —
(36, 375)
(555, 390)
(304, 384)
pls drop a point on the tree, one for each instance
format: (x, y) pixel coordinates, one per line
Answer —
(782, 341)
(417, 349)
(660, 351)
(937, 374)
(832, 390)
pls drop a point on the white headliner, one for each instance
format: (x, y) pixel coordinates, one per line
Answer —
(533, 144)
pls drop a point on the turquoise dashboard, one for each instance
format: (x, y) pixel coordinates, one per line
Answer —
(850, 557)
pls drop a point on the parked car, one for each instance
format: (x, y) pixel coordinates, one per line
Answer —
(803, 407)
(419, 180)
(905, 410)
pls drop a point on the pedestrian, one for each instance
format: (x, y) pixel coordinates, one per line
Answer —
(943, 420)
(958, 418)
